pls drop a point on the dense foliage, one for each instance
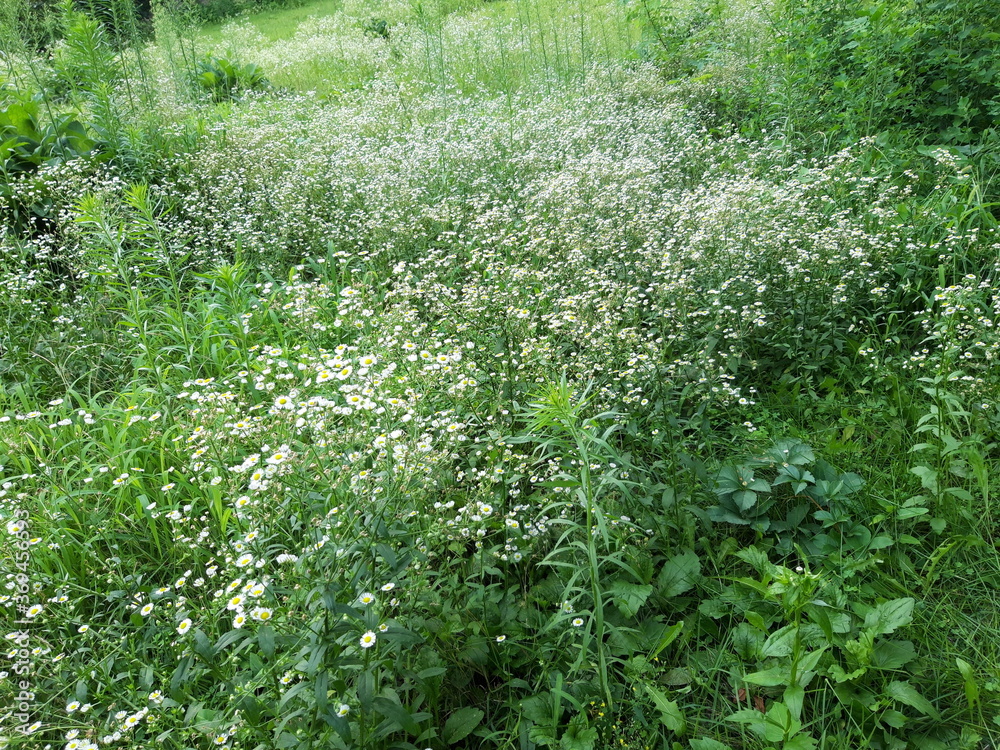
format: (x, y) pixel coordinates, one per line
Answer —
(507, 374)
(841, 70)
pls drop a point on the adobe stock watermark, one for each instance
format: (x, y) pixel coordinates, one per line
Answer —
(20, 651)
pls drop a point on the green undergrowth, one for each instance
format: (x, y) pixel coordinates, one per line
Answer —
(276, 24)
(482, 375)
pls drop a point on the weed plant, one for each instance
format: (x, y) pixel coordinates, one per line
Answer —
(478, 384)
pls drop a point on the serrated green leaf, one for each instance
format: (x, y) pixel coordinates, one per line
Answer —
(793, 452)
(839, 675)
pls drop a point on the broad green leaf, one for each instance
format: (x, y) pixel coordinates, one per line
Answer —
(756, 620)
(728, 480)
(960, 493)
(321, 690)
(809, 660)
(892, 654)
(888, 616)
(579, 735)
(801, 741)
(751, 718)
(928, 477)
(265, 638)
(202, 646)
(780, 642)
(670, 712)
(779, 723)
(679, 574)
(721, 515)
(880, 542)
(894, 718)
(542, 735)
(745, 499)
(629, 597)
(747, 641)
(430, 672)
(389, 706)
(366, 689)
(708, 744)
(904, 513)
(206, 720)
(793, 697)
(537, 708)
(461, 723)
(769, 677)
(905, 693)
(229, 638)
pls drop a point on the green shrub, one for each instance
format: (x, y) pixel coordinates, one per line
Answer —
(840, 70)
(225, 79)
(857, 69)
(26, 144)
(209, 11)
(956, 73)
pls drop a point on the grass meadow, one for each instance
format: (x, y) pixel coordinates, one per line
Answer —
(571, 374)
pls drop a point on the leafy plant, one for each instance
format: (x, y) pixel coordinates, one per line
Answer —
(823, 636)
(225, 79)
(797, 483)
(27, 143)
(376, 27)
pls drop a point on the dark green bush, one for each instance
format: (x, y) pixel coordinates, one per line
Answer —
(854, 69)
(840, 69)
(956, 69)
